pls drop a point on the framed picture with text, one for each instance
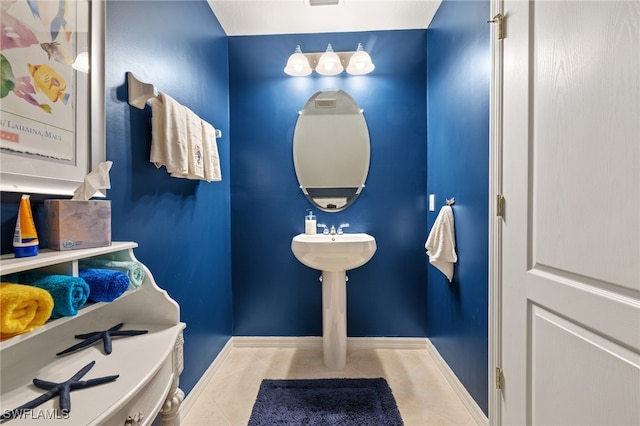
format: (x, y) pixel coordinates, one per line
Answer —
(52, 127)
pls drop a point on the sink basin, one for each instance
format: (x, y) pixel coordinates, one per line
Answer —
(334, 255)
(333, 252)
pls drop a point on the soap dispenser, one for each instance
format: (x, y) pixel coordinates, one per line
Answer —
(310, 223)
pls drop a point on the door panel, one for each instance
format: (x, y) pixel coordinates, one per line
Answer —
(570, 269)
(581, 93)
(565, 352)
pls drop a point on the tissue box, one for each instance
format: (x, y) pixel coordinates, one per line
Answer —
(74, 224)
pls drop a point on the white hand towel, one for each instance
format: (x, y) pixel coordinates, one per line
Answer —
(169, 144)
(441, 243)
(195, 151)
(211, 158)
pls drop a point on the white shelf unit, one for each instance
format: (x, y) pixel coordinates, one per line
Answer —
(148, 365)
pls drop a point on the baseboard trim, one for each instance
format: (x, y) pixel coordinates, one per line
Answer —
(387, 342)
(315, 342)
(200, 386)
(464, 395)
(302, 342)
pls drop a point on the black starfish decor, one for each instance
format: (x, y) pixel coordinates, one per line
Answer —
(106, 335)
(63, 389)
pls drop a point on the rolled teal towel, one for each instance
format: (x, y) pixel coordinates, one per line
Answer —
(69, 293)
(105, 285)
(134, 270)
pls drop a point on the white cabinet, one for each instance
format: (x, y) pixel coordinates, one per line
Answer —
(148, 365)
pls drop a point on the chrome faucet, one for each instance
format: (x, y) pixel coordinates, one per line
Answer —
(333, 230)
(325, 230)
(343, 225)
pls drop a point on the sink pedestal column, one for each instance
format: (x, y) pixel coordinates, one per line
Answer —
(334, 319)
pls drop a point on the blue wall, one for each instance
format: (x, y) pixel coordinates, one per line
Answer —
(458, 58)
(181, 226)
(257, 208)
(274, 294)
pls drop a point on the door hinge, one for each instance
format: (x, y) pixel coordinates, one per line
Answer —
(500, 205)
(499, 379)
(498, 19)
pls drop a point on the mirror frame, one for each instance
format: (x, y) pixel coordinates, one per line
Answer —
(349, 193)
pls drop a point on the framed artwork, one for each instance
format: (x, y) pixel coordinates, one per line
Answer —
(52, 102)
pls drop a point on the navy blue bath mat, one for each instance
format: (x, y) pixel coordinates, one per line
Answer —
(353, 402)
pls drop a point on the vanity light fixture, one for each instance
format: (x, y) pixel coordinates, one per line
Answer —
(329, 62)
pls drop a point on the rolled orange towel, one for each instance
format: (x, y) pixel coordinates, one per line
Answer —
(23, 308)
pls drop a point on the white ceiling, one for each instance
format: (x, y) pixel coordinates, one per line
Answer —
(262, 17)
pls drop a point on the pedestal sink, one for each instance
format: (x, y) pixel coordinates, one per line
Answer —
(334, 255)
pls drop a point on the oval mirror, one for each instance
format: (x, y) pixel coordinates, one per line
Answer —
(331, 150)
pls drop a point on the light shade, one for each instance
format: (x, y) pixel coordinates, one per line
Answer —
(329, 63)
(298, 64)
(360, 63)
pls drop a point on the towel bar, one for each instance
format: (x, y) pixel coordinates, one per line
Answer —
(140, 92)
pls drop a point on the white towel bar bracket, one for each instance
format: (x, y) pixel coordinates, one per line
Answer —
(140, 92)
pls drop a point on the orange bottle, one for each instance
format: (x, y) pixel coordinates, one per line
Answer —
(25, 238)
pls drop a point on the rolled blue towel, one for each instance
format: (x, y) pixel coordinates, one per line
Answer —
(69, 293)
(105, 285)
(134, 270)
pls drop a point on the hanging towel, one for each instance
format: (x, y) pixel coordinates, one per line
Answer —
(104, 285)
(22, 308)
(441, 243)
(195, 150)
(134, 270)
(68, 293)
(212, 171)
(169, 143)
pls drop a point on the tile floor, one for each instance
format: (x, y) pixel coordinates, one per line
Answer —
(421, 391)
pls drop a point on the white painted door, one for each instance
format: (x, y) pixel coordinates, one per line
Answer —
(570, 293)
